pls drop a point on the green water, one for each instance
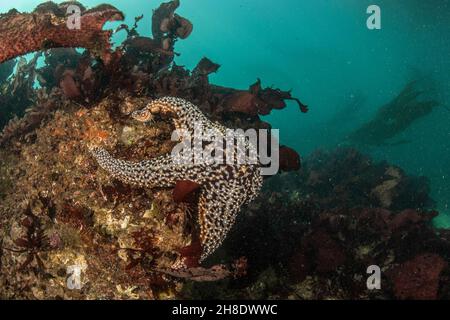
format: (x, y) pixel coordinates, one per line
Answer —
(323, 51)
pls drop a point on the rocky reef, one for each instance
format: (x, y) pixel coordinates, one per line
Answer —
(61, 215)
(70, 231)
(312, 235)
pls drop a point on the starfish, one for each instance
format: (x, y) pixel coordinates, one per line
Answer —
(224, 188)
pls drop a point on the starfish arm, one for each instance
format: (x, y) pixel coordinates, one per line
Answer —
(220, 202)
(185, 112)
(186, 115)
(157, 172)
(218, 206)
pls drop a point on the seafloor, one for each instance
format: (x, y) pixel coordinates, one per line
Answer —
(311, 234)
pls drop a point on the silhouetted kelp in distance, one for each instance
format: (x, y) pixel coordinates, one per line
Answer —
(17, 90)
(6, 70)
(411, 104)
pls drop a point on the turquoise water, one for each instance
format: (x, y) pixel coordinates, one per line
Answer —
(323, 51)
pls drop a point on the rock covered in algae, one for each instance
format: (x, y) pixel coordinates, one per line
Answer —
(110, 232)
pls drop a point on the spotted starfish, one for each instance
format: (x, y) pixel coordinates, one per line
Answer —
(224, 188)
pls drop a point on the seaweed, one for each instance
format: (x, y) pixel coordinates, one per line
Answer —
(140, 66)
(33, 242)
(17, 92)
(6, 70)
(145, 252)
(418, 278)
(33, 115)
(410, 105)
(46, 27)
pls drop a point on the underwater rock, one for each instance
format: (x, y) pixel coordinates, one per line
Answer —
(344, 177)
(94, 220)
(319, 253)
(327, 245)
(419, 277)
(335, 248)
